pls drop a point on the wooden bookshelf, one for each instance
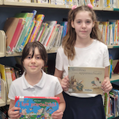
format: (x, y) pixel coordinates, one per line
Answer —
(8, 101)
(113, 117)
(14, 54)
(45, 5)
(113, 46)
(53, 50)
(97, 8)
(1, 2)
(48, 5)
(114, 77)
(107, 9)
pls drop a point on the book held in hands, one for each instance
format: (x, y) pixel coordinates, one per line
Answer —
(37, 107)
(86, 80)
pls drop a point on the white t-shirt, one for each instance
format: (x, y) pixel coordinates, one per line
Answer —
(94, 55)
(48, 86)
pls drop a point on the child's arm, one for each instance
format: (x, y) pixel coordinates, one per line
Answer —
(64, 82)
(13, 111)
(106, 85)
(59, 113)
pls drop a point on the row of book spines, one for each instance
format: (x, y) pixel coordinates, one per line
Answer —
(22, 31)
(114, 66)
(60, 2)
(4, 70)
(103, 27)
(16, 28)
(27, 30)
(111, 103)
(110, 32)
(110, 3)
(95, 3)
(25, 33)
(9, 74)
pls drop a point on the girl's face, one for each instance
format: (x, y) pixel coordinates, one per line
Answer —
(83, 24)
(33, 64)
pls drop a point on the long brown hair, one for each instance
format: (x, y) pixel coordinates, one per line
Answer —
(70, 38)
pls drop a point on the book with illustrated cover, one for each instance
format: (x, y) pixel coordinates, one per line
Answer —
(86, 80)
(37, 107)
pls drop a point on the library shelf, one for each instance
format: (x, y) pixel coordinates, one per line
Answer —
(53, 50)
(8, 101)
(112, 46)
(107, 9)
(13, 54)
(1, 2)
(113, 117)
(114, 77)
(116, 9)
(45, 5)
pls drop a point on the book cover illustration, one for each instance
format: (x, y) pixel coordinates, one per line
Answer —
(36, 107)
(85, 80)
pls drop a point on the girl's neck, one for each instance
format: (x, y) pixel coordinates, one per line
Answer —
(81, 43)
(33, 79)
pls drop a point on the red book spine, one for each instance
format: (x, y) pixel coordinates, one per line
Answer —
(16, 34)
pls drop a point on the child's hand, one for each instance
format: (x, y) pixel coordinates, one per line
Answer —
(65, 83)
(14, 113)
(57, 114)
(106, 85)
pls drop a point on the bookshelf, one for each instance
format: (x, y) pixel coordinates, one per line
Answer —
(113, 46)
(3, 48)
(1, 2)
(113, 117)
(114, 77)
(48, 5)
(17, 5)
(45, 5)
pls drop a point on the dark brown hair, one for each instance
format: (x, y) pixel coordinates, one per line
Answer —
(33, 45)
(70, 38)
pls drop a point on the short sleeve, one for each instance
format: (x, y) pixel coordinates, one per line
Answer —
(106, 58)
(11, 94)
(59, 59)
(58, 88)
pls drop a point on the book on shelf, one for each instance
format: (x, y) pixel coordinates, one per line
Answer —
(26, 16)
(53, 37)
(39, 20)
(11, 30)
(2, 72)
(30, 26)
(24, 34)
(37, 107)
(50, 32)
(86, 79)
(59, 37)
(25, 1)
(0, 85)
(43, 31)
(30, 31)
(8, 78)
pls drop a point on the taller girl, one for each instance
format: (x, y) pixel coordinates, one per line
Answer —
(82, 47)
